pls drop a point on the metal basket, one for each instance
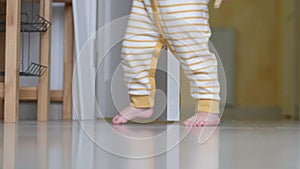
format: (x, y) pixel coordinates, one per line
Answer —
(34, 69)
(29, 23)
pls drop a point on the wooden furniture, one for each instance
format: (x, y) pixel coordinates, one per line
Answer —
(10, 92)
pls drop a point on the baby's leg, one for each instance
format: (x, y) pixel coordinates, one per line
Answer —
(139, 67)
(140, 51)
(187, 30)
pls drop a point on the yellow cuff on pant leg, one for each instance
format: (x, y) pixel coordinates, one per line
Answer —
(141, 101)
(210, 106)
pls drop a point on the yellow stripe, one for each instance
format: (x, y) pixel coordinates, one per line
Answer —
(185, 25)
(203, 73)
(135, 73)
(133, 40)
(134, 60)
(173, 5)
(138, 7)
(129, 54)
(137, 82)
(184, 18)
(202, 80)
(137, 47)
(183, 11)
(140, 65)
(141, 21)
(189, 31)
(193, 57)
(141, 14)
(192, 51)
(196, 71)
(141, 34)
(188, 38)
(204, 92)
(142, 28)
(200, 62)
(138, 78)
(191, 44)
(205, 87)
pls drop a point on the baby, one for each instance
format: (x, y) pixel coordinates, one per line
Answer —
(182, 26)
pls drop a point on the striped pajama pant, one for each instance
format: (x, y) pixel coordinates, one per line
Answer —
(182, 26)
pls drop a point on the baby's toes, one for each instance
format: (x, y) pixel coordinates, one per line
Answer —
(195, 122)
(124, 120)
(202, 123)
(186, 122)
(114, 119)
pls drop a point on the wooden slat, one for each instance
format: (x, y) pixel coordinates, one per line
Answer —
(30, 94)
(68, 62)
(2, 52)
(45, 53)
(2, 45)
(1, 100)
(56, 96)
(1, 109)
(12, 51)
(2, 62)
(1, 90)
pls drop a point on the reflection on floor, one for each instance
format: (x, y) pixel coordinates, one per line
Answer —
(95, 144)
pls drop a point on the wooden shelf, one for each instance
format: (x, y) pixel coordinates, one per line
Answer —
(30, 94)
(9, 89)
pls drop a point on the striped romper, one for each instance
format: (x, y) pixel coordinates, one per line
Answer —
(182, 26)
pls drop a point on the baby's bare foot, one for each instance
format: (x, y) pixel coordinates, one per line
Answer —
(203, 119)
(130, 113)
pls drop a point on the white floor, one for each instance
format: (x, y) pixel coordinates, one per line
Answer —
(99, 145)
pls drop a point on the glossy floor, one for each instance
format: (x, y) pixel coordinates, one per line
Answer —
(98, 145)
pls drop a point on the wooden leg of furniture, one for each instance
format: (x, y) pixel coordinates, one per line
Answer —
(2, 68)
(1, 109)
(45, 52)
(68, 62)
(12, 46)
